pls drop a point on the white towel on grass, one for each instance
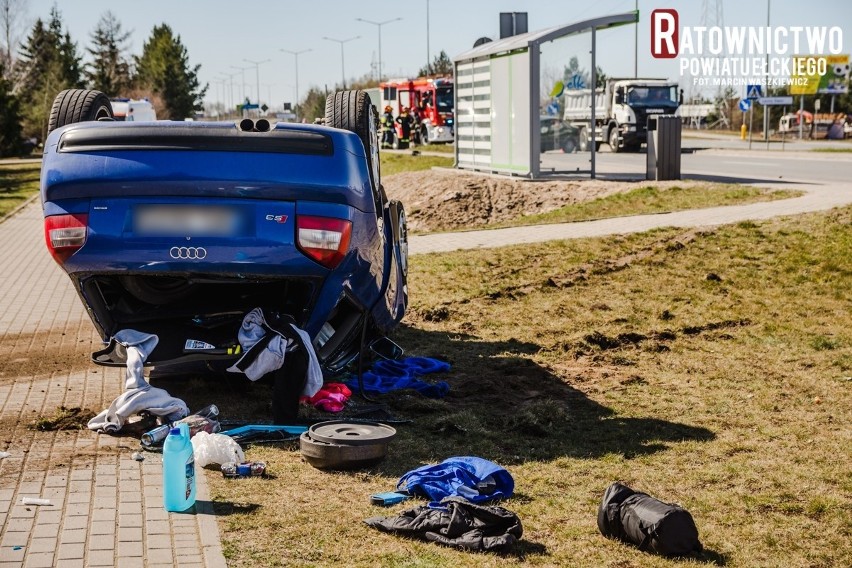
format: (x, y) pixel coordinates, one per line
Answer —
(138, 395)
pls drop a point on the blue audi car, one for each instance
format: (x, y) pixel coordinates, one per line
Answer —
(181, 228)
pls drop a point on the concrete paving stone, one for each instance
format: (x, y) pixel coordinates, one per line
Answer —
(129, 509)
(80, 497)
(156, 556)
(104, 503)
(15, 557)
(68, 563)
(14, 539)
(185, 529)
(100, 558)
(45, 531)
(129, 534)
(48, 516)
(42, 544)
(101, 542)
(54, 493)
(77, 509)
(188, 562)
(71, 536)
(125, 521)
(129, 550)
(23, 524)
(3, 517)
(157, 527)
(134, 496)
(71, 550)
(39, 560)
(6, 494)
(184, 537)
(158, 541)
(103, 515)
(103, 528)
(80, 486)
(76, 522)
(81, 475)
(5, 506)
(156, 513)
(134, 562)
(18, 511)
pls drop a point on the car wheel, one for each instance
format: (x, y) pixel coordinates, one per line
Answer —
(402, 238)
(424, 136)
(78, 105)
(584, 140)
(352, 111)
(613, 140)
(569, 146)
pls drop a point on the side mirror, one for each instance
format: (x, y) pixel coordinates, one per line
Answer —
(680, 98)
(387, 349)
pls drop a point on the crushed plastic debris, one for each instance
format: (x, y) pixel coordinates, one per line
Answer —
(138, 456)
(35, 501)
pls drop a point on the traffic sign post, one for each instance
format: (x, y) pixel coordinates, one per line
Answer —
(754, 92)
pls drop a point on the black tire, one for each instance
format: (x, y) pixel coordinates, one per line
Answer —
(352, 111)
(399, 226)
(78, 105)
(569, 146)
(613, 140)
(424, 136)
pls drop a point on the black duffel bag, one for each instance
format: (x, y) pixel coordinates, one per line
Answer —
(654, 526)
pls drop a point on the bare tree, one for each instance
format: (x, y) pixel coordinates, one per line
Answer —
(13, 15)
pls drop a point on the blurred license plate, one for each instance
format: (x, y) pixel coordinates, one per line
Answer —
(186, 220)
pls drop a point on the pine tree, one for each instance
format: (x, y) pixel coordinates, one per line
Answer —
(441, 65)
(109, 71)
(164, 69)
(49, 63)
(10, 119)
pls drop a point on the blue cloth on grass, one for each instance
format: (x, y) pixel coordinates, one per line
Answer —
(476, 479)
(387, 376)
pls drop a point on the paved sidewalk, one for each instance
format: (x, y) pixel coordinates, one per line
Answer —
(816, 198)
(106, 509)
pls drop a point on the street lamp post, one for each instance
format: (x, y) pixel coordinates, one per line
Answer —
(379, 26)
(257, 65)
(243, 85)
(296, 55)
(341, 42)
(230, 77)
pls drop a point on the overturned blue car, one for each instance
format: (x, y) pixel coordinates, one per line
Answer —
(181, 228)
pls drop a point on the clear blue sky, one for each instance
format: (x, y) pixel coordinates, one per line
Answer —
(220, 34)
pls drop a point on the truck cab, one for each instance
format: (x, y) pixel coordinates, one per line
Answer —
(622, 109)
(430, 99)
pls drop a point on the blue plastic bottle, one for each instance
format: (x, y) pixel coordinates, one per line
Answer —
(178, 470)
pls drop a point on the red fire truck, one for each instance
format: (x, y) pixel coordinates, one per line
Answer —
(431, 99)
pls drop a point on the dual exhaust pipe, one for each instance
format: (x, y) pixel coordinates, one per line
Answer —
(251, 125)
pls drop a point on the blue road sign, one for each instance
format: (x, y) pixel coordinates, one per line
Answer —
(754, 92)
(745, 104)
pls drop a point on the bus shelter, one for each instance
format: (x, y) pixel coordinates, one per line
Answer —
(498, 99)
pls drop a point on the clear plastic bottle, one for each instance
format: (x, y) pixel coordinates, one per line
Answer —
(178, 470)
(203, 420)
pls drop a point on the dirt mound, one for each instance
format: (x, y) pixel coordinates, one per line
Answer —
(440, 200)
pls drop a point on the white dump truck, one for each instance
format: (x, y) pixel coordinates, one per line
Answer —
(622, 108)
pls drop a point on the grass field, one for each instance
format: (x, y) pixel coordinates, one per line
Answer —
(833, 150)
(652, 200)
(396, 163)
(709, 368)
(18, 182)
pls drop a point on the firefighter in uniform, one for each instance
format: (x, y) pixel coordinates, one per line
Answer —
(387, 127)
(405, 123)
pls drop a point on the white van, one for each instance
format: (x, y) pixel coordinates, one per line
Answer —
(133, 110)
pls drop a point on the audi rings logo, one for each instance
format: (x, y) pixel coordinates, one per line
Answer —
(188, 253)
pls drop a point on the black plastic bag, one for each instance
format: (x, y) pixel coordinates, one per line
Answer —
(650, 524)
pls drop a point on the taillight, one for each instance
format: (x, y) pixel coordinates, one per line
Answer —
(65, 234)
(323, 239)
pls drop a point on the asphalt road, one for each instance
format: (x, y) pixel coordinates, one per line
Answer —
(725, 165)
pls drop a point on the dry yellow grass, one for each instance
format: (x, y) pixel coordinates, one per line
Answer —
(707, 368)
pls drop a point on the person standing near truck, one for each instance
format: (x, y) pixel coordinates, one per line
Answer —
(387, 127)
(405, 122)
